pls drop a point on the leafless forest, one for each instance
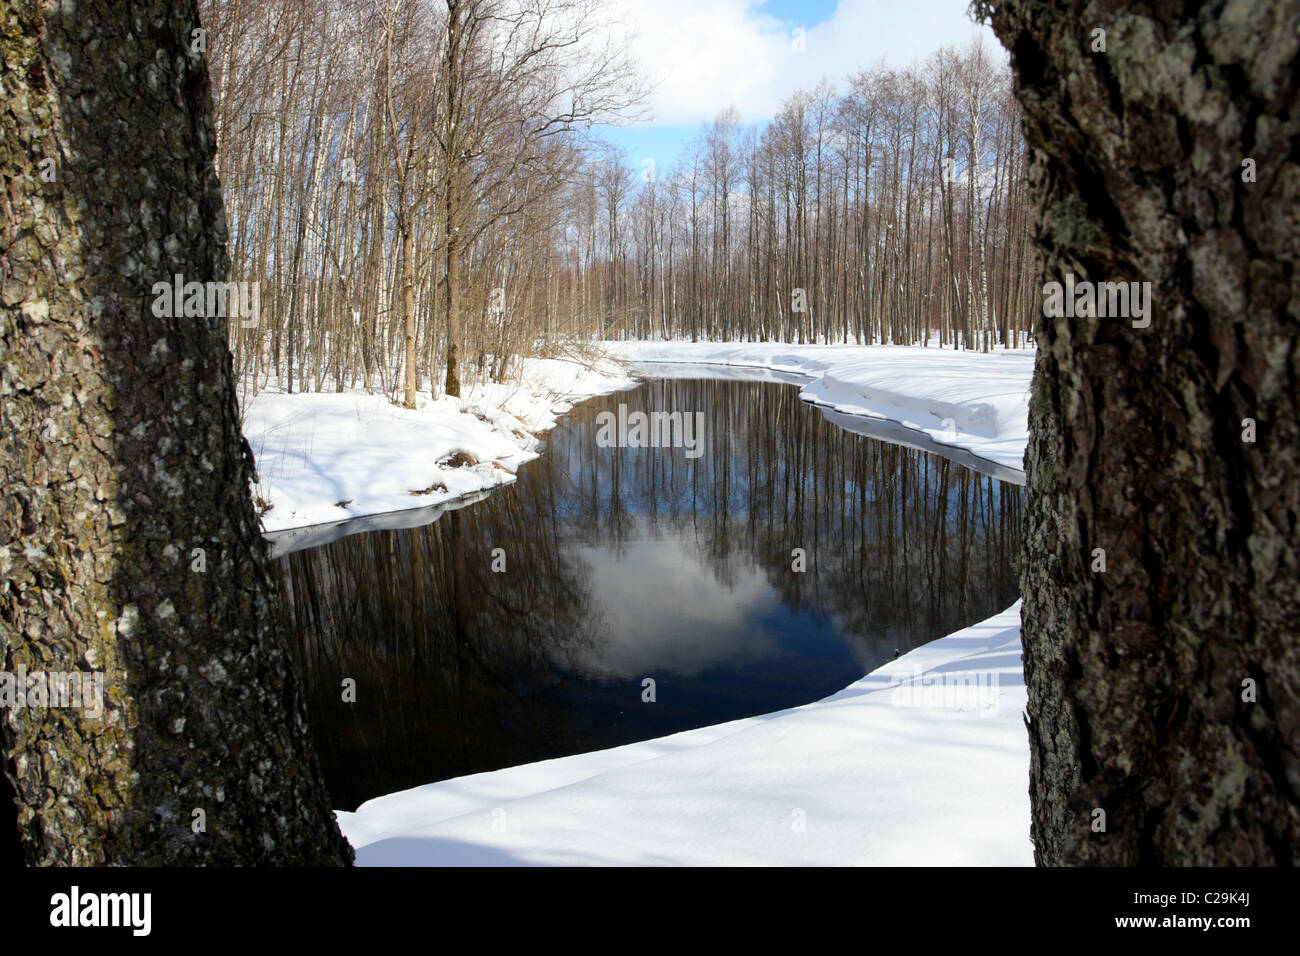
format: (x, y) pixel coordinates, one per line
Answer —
(418, 186)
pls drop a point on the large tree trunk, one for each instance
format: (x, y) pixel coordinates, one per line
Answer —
(1140, 676)
(121, 457)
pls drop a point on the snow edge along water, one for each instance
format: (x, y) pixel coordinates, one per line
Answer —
(933, 777)
(978, 402)
(328, 459)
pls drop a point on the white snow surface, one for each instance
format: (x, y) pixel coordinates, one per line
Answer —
(327, 456)
(972, 400)
(882, 773)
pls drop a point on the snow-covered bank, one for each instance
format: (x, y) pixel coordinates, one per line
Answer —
(326, 456)
(970, 400)
(923, 761)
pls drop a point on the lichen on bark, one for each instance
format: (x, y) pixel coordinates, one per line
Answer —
(1136, 674)
(121, 453)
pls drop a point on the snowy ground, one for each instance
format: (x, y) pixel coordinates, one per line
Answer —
(970, 400)
(923, 761)
(325, 457)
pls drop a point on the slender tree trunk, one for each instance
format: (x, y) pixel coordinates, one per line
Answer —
(1164, 691)
(408, 308)
(453, 63)
(128, 543)
(452, 384)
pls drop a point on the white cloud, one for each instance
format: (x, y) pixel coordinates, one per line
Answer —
(706, 55)
(686, 622)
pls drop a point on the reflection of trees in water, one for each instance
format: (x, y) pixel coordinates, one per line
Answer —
(460, 669)
(452, 661)
(902, 545)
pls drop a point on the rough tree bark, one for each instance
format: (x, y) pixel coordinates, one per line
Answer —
(1140, 676)
(121, 456)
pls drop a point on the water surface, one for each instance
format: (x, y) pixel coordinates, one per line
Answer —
(527, 625)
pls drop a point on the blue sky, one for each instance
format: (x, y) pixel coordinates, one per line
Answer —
(807, 12)
(704, 55)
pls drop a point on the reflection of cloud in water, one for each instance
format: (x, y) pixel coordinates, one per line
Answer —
(665, 611)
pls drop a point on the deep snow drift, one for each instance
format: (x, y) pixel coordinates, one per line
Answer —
(923, 761)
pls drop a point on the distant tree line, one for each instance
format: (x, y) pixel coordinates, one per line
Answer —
(893, 211)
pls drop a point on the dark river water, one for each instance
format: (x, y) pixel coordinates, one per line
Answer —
(786, 560)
